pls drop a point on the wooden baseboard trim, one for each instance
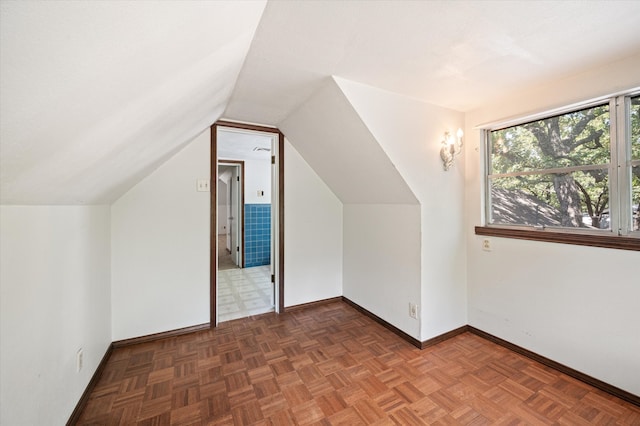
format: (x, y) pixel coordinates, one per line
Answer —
(77, 411)
(415, 342)
(599, 384)
(312, 304)
(162, 335)
(442, 337)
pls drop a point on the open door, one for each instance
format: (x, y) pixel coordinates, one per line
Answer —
(235, 217)
(274, 221)
(230, 209)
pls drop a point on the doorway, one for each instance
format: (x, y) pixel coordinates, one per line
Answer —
(247, 265)
(231, 214)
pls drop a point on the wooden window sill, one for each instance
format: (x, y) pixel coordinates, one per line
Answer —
(605, 241)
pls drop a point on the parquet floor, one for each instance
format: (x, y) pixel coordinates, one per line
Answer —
(331, 365)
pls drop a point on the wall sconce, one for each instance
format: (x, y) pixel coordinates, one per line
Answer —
(450, 148)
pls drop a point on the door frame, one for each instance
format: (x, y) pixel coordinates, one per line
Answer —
(213, 208)
(239, 164)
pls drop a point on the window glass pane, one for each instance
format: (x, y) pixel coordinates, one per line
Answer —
(635, 197)
(573, 139)
(576, 200)
(635, 128)
(635, 155)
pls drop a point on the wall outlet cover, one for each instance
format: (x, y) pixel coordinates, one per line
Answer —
(413, 310)
(79, 360)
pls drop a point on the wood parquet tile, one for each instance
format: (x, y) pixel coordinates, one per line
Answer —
(331, 365)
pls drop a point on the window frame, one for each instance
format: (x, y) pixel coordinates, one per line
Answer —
(620, 235)
(628, 162)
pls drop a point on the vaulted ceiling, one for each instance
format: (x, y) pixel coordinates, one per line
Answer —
(95, 95)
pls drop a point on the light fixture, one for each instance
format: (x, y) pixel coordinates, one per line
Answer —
(450, 148)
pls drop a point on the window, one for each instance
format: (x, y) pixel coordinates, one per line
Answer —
(578, 171)
(634, 113)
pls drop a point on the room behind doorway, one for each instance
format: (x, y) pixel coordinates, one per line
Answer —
(244, 284)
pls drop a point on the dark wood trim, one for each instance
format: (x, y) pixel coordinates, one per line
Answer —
(242, 221)
(162, 335)
(599, 384)
(80, 406)
(312, 304)
(280, 244)
(246, 126)
(241, 163)
(214, 204)
(445, 336)
(605, 387)
(605, 241)
(213, 241)
(415, 342)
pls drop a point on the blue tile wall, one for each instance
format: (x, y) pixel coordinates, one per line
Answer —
(257, 235)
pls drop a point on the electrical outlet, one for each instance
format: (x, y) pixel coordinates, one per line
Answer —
(203, 185)
(413, 310)
(486, 244)
(79, 360)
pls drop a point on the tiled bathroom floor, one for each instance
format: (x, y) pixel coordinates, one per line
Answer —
(244, 292)
(225, 261)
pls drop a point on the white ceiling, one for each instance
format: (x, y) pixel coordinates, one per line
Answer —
(240, 145)
(95, 95)
(456, 54)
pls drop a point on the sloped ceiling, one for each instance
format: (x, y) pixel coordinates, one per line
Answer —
(330, 135)
(96, 94)
(455, 54)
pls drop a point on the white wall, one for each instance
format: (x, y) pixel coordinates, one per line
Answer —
(55, 299)
(328, 133)
(160, 244)
(410, 132)
(575, 305)
(313, 234)
(223, 217)
(382, 261)
(160, 247)
(257, 177)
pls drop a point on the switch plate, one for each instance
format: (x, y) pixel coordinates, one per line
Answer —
(203, 185)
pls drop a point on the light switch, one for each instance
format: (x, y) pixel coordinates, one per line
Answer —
(203, 185)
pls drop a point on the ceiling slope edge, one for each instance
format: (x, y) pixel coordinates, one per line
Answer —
(328, 133)
(410, 132)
